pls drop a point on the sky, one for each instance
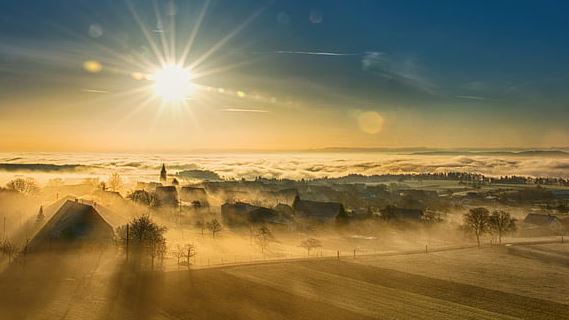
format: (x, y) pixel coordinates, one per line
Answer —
(282, 75)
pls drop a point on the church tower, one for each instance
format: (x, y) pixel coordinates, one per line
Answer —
(163, 173)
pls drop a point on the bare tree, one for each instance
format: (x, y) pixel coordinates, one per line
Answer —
(214, 227)
(202, 225)
(189, 251)
(264, 237)
(115, 181)
(8, 249)
(477, 220)
(26, 186)
(144, 198)
(178, 253)
(500, 223)
(310, 244)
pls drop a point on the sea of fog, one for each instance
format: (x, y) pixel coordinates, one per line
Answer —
(145, 167)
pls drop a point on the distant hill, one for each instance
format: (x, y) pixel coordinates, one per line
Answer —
(526, 153)
(39, 167)
(199, 174)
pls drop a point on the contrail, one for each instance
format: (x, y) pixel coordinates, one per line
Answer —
(471, 97)
(95, 91)
(312, 53)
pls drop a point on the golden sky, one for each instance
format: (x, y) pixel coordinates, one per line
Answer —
(201, 75)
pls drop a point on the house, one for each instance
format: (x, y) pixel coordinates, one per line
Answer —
(147, 186)
(542, 222)
(401, 214)
(317, 210)
(263, 215)
(194, 195)
(76, 222)
(284, 209)
(236, 213)
(273, 198)
(167, 196)
(241, 213)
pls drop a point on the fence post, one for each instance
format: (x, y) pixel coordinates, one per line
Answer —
(338, 252)
(426, 249)
(127, 227)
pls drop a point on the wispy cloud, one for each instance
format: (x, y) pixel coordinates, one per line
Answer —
(95, 91)
(471, 97)
(312, 53)
(244, 110)
(405, 71)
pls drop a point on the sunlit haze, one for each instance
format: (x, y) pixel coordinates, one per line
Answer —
(284, 159)
(223, 75)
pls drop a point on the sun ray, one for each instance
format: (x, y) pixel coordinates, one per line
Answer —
(162, 33)
(106, 49)
(225, 39)
(172, 15)
(194, 33)
(213, 71)
(147, 35)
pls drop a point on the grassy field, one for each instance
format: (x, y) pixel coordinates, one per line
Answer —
(492, 283)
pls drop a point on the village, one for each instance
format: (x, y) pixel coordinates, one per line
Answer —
(315, 214)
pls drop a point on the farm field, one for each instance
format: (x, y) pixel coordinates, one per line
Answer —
(491, 283)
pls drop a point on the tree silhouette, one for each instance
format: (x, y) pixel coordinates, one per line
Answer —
(214, 227)
(310, 244)
(9, 249)
(500, 222)
(26, 186)
(143, 237)
(115, 181)
(477, 220)
(264, 237)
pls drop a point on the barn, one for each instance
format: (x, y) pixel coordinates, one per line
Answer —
(75, 223)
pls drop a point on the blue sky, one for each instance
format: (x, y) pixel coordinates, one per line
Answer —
(496, 63)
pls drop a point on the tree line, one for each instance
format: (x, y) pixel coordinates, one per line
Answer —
(480, 221)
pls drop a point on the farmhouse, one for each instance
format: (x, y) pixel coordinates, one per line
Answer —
(194, 195)
(167, 196)
(318, 211)
(542, 221)
(241, 213)
(237, 213)
(401, 214)
(76, 222)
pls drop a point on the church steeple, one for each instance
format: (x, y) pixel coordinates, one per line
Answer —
(163, 173)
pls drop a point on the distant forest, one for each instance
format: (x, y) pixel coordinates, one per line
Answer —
(473, 178)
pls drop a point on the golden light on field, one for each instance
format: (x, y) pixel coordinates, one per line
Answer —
(370, 122)
(172, 83)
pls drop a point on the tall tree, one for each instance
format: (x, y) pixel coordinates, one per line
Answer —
(115, 181)
(9, 249)
(264, 237)
(142, 236)
(477, 220)
(310, 244)
(214, 227)
(501, 223)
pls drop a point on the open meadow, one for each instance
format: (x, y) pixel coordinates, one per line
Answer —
(488, 283)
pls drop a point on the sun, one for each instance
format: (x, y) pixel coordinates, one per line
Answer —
(173, 83)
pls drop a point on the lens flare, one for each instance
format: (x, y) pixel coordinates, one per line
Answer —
(370, 122)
